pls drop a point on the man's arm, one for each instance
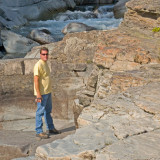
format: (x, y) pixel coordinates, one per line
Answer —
(36, 82)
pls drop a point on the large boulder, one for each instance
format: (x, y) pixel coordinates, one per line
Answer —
(120, 9)
(20, 12)
(141, 19)
(15, 44)
(41, 37)
(76, 27)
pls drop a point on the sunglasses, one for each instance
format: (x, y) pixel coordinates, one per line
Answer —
(44, 54)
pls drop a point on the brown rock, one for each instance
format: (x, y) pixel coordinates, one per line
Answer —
(102, 61)
(105, 56)
(141, 18)
(13, 67)
(124, 66)
(29, 65)
(142, 58)
(121, 82)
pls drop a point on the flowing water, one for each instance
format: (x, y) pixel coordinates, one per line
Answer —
(101, 17)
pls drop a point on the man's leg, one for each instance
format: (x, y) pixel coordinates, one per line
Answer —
(39, 114)
(47, 113)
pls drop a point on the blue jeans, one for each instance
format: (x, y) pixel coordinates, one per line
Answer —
(44, 109)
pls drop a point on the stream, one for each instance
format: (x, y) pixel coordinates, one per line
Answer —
(100, 17)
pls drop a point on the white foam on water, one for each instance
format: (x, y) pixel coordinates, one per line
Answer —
(102, 18)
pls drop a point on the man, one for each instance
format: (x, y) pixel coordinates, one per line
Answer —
(42, 91)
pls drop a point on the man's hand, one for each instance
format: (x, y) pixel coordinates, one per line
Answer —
(38, 99)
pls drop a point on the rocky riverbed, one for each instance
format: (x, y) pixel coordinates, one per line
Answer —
(108, 81)
(37, 22)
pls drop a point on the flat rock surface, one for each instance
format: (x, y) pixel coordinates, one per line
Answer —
(18, 138)
(141, 147)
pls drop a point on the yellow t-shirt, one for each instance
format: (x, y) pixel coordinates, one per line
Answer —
(42, 70)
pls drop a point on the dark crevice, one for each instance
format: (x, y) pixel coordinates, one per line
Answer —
(23, 67)
(76, 74)
(150, 15)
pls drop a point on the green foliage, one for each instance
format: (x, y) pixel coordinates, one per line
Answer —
(156, 29)
(89, 61)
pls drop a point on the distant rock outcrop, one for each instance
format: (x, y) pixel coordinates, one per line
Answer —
(18, 12)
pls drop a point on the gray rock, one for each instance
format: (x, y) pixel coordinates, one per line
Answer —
(1, 55)
(30, 10)
(19, 3)
(137, 147)
(77, 27)
(34, 53)
(120, 9)
(15, 44)
(26, 158)
(84, 99)
(70, 3)
(93, 78)
(41, 37)
(18, 146)
(83, 144)
(9, 56)
(11, 18)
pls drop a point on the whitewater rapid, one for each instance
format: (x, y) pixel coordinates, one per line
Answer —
(102, 18)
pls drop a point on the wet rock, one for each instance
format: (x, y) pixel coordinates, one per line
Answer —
(41, 37)
(77, 27)
(31, 10)
(15, 44)
(120, 9)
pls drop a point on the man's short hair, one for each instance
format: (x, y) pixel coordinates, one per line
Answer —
(44, 49)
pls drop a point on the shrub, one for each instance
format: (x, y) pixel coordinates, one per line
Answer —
(156, 29)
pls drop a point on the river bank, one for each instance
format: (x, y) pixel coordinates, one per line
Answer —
(107, 81)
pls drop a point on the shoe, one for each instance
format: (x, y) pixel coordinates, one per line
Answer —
(53, 131)
(42, 135)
